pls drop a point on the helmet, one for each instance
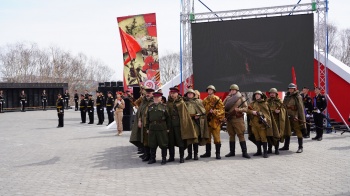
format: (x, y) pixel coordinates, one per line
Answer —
(257, 92)
(234, 87)
(292, 85)
(191, 91)
(273, 90)
(211, 87)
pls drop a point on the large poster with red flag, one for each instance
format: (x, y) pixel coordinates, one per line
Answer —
(138, 36)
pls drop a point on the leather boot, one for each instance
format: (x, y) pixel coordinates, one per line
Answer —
(140, 150)
(195, 151)
(277, 152)
(152, 158)
(244, 149)
(146, 154)
(300, 148)
(265, 150)
(164, 153)
(269, 149)
(286, 143)
(171, 154)
(258, 146)
(182, 153)
(217, 149)
(189, 152)
(207, 151)
(232, 150)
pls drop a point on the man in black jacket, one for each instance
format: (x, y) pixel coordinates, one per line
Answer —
(320, 104)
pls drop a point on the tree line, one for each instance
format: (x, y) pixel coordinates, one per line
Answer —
(25, 62)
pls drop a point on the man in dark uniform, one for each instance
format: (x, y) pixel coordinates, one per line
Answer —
(99, 107)
(76, 99)
(86, 95)
(2, 101)
(60, 111)
(23, 101)
(308, 109)
(44, 99)
(109, 107)
(66, 97)
(90, 109)
(320, 105)
(157, 126)
(83, 107)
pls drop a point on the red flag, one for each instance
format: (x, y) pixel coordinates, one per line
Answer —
(129, 45)
(294, 77)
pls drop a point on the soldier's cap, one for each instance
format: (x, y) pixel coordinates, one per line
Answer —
(157, 94)
(109, 92)
(149, 90)
(174, 89)
(316, 87)
(90, 95)
(59, 94)
(97, 91)
(82, 95)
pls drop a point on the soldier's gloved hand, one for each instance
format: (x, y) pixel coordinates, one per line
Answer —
(295, 119)
(307, 116)
(26, 102)
(277, 111)
(237, 109)
(255, 113)
(318, 111)
(147, 131)
(167, 130)
(196, 117)
(211, 111)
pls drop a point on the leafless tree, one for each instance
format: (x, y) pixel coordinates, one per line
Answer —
(169, 66)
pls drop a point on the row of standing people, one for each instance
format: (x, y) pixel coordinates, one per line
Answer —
(43, 97)
(187, 122)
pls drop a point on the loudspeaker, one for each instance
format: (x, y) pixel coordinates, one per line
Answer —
(119, 83)
(101, 84)
(114, 84)
(108, 84)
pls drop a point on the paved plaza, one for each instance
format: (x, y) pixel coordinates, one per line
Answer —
(36, 158)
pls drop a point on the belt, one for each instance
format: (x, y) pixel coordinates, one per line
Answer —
(98, 104)
(82, 106)
(89, 106)
(108, 105)
(157, 121)
(59, 107)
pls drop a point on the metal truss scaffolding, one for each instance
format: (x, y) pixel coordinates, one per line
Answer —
(319, 7)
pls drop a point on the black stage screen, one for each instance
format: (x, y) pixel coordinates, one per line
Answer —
(254, 53)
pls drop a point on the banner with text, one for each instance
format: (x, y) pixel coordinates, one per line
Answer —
(138, 36)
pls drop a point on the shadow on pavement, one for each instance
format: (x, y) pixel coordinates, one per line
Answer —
(47, 162)
(340, 148)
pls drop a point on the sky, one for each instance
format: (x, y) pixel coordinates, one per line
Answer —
(90, 26)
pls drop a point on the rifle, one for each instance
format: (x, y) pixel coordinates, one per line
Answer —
(210, 115)
(233, 113)
(261, 117)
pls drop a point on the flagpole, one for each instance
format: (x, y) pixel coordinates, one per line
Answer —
(131, 59)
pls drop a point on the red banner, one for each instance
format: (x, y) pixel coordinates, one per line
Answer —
(138, 36)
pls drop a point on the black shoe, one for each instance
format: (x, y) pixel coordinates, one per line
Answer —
(90, 123)
(207, 151)
(195, 157)
(244, 149)
(306, 136)
(151, 161)
(277, 152)
(286, 144)
(232, 150)
(264, 144)
(163, 161)
(258, 152)
(315, 138)
(182, 160)
(217, 149)
(300, 150)
(319, 139)
(189, 156)
(98, 124)
(171, 159)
